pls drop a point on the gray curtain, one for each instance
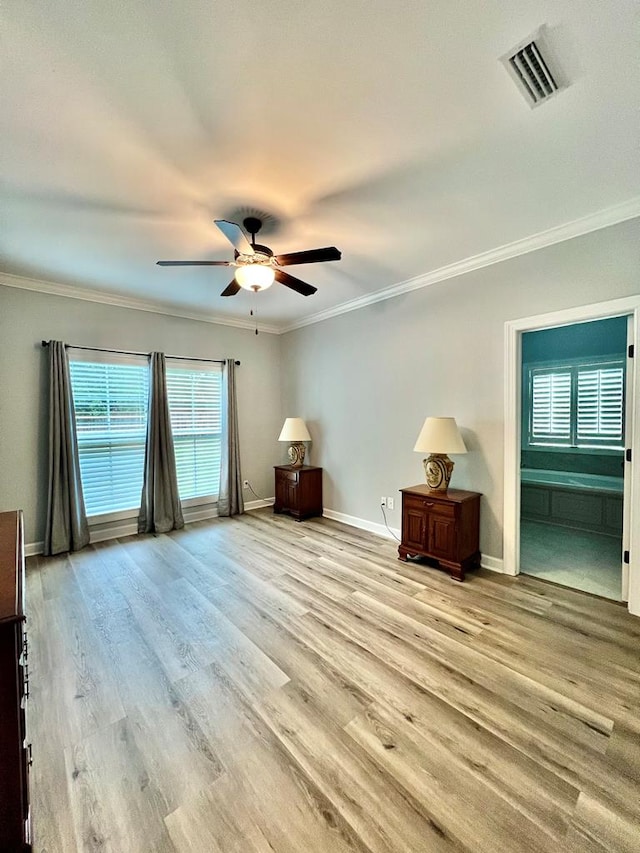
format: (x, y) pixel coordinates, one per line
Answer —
(67, 528)
(160, 508)
(230, 493)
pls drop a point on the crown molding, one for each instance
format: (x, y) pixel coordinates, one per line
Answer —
(72, 292)
(576, 228)
(623, 212)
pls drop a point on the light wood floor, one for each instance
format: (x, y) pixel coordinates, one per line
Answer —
(255, 684)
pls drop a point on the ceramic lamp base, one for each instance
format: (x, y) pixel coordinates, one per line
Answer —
(296, 454)
(438, 468)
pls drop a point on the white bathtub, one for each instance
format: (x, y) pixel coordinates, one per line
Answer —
(591, 482)
(584, 501)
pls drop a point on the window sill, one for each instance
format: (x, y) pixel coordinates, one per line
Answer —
(562, 448)
(129, 514)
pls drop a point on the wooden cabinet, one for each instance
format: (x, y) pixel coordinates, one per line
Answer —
(15, 752)
(298, 491)
(444, 526)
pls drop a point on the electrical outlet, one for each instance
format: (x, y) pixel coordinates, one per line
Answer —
(245, 484)
(390, 503)
(383, 501)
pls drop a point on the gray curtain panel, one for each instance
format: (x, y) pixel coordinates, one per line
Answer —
(160, 508)
(67, 528)
(230, 494)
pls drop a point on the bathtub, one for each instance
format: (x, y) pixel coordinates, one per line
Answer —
(597, 482)
(582, 501)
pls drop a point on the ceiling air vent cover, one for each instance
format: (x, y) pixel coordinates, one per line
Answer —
(534, 69)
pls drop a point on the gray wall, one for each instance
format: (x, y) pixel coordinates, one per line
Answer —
(28, 317)
(365, 381)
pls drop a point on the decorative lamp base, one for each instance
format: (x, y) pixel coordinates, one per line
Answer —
(438, 468)
(296, 454)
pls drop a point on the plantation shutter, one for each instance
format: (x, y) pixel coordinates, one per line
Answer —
(111, 421)
(551, 405)
(601, 403)
(195, 409)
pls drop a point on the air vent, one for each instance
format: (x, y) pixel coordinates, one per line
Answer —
(534, 69)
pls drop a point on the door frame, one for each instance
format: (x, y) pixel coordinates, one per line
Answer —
(513, 331)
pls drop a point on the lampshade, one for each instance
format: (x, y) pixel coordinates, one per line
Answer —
(255, 276)
(294, 429)
(440, 435)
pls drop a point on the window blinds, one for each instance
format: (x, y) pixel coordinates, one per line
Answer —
(601, 403)
(551, 405)
(580, 405)
(111, 419)
(195, 408)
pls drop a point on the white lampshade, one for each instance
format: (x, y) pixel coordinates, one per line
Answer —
(255, 276)
(294, 429)
(440, 435)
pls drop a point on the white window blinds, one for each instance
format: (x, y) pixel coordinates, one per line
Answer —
(194, 395)
(111, 418)
(577, 405)
(600, 404)
(551, 405)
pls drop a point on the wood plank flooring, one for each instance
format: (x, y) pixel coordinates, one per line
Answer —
(255, 684)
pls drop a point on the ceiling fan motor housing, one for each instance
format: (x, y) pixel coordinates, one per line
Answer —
(262, 250)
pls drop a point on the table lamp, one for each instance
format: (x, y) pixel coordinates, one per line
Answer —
(295, 431)
(438, 437)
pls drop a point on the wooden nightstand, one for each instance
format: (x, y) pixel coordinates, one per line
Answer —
(444, 526)
(298, 491)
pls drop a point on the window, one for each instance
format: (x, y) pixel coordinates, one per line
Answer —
(111, 402)
(577, 405)
(194, 394)
(111, 421)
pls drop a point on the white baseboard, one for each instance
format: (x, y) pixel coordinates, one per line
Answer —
(114, 531)
(494, 564)
(199, 513)
(259, 504)
(362, 523)
(127, 527)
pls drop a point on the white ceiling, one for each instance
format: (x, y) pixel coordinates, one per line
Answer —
(389, 129)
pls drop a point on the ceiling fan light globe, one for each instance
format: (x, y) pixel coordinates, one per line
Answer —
(255, 277)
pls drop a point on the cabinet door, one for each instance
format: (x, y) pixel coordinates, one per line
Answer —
(292, 494)
(442, 536)
(414, 528)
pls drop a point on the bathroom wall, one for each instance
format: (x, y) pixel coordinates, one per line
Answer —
(580, 340)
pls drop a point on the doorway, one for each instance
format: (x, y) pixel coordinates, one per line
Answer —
(572, 454)
(514, 331)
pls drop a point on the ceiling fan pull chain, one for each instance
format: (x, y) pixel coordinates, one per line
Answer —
(254, 313)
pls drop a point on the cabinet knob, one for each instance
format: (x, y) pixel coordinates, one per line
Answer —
(428, 503)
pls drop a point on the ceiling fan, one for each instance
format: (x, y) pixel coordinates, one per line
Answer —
(256, 266)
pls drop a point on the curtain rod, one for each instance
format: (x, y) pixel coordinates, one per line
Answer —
(131, 352)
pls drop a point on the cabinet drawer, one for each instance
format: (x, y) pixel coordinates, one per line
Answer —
(430, 505)
(289, 475)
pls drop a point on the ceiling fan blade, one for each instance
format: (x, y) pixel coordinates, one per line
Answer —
(312, 256)
(231, 289)
(193, 263)
(235, 235)
(295, 284)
